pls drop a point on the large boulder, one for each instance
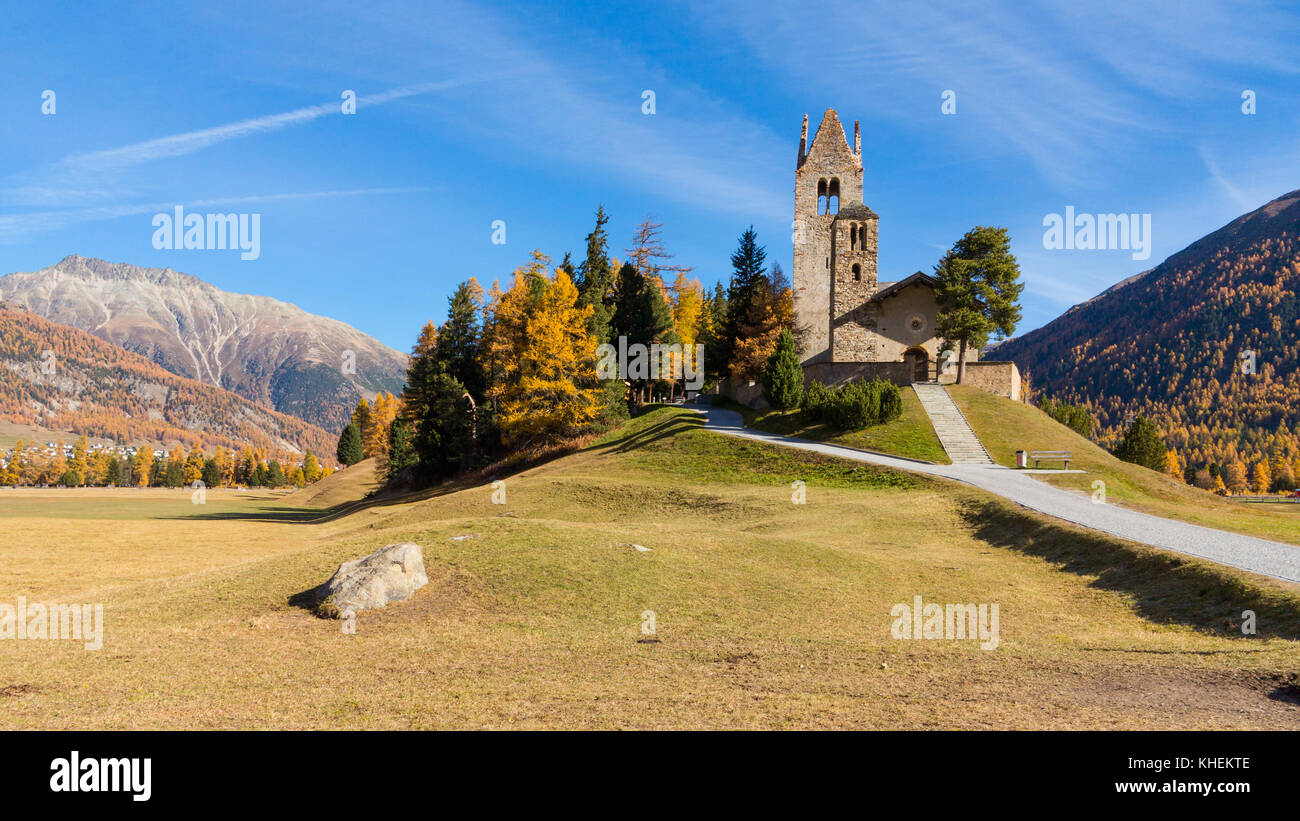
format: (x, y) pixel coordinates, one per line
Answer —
(390, 574)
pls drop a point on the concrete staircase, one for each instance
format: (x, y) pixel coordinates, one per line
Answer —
(955, 433)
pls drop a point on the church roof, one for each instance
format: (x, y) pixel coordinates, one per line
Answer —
(857, 210)
(888, 289)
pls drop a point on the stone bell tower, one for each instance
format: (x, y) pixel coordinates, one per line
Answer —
(834, 265)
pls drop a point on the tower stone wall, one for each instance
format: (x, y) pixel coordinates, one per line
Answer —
(854, 317)
(827, 175)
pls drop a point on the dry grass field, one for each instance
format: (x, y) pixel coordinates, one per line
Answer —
(768, 614)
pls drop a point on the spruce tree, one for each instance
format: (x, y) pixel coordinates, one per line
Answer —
(747, 292)
(641, 314)
(456, 348)
(401, 448)
(349, 447)
(595, 279)
(783, 376)
(1143, 445)
(275, 475)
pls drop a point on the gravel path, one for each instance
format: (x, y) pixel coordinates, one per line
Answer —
(1276, 559)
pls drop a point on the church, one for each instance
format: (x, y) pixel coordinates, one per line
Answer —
(851, 324)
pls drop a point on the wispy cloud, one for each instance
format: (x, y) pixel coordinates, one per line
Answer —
(18, 227)
(1069, 104)
(95, 176)
(175, 145)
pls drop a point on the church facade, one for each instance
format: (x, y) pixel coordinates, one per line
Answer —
(852, 324)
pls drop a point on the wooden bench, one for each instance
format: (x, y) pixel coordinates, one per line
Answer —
(1050, 456)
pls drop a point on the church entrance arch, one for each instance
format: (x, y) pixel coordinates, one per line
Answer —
(918, 361)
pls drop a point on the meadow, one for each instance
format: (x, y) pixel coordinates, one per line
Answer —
(766, 613)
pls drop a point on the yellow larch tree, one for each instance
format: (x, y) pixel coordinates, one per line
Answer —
(550, 392)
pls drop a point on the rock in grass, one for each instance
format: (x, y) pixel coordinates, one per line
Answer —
(390, 574)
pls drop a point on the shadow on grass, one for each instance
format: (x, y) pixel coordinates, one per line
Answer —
(308, 600)
(274, 513)
(645, 436)
(1161, 587)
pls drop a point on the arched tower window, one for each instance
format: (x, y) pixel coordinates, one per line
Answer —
(862, 236)
(857, 272)
(833, 197)
(822, 204)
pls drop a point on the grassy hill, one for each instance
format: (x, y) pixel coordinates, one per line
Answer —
(767, 613)
(911, 435)
(347, 485)
(1005, 427)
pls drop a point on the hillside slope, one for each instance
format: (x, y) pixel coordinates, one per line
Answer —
(350, 484)
(62, 378)
(271, 352)
(1168, 343)
(747, 611)
(1004, 427)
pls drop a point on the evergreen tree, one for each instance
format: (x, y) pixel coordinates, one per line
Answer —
(442, 438)
(1143, 445)
(401, 449)
(349, 447)
(173, 474)
(713, 327)
(211, 473)
(420, 374)
(747, 292)
(158, 471)
(361, 418)
(783, 376)
(456, 348)
(642, 315)
(979, 285)
(113, 472)
(595, 279)
(275, 475)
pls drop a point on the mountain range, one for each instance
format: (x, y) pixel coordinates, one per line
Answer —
(265, 350)
(59, 378)
(1207, 344)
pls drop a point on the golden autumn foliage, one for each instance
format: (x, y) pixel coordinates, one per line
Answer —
(541, 358)
(1206, 345)
(97, 389)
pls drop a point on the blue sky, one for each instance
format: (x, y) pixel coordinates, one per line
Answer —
(532, 114)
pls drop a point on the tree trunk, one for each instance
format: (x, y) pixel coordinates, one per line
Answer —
(961, 362)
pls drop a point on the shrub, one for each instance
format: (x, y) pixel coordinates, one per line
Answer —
(1074, 417)
(854, 405)
(817, 399)
(891, 402)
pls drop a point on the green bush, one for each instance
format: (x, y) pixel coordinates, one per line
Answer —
(816, 399)
(854, 405)
(891, 402)
(1076, 417)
